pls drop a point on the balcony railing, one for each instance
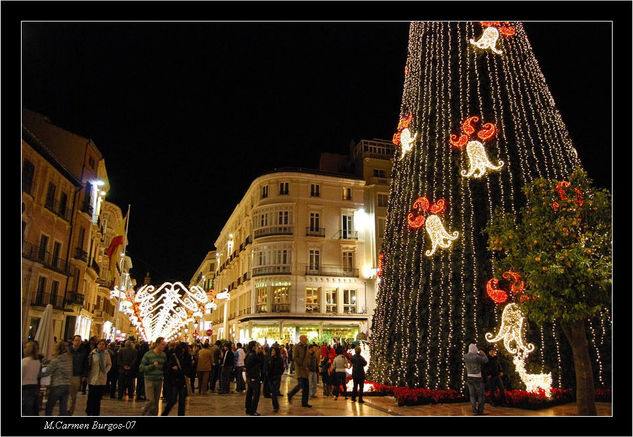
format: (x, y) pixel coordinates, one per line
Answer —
(272, 270)
(87, 208)
(315, 232)
(274, 230)
(73, 298)
(347, 235)
(33, 252)
(94, 266)
(61, 210)
(43, 299)
(377, 180)
(281, 308)
(81, 255)
(327, 270)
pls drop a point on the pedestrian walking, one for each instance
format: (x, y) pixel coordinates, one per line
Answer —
(291, 363)
(273, 369)
(226, 368)
(60, 369)
(494, 372)
(253, 365)
(215, 370)
(99, 365)
(177, 368)
(205, 364)
(140, 380)
(152, 367)
(193, 359)
(113, 374)
(313, 367)
(126, 362)
(31, 367)
(79, 352)
(239, 369)
(474, 360)
(284, 356)
(358, 374)
(301, 361)
(339, 366)
(325, 374)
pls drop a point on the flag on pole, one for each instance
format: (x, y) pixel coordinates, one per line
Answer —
(116, 245)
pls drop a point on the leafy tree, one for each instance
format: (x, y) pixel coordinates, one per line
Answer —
(561, 244)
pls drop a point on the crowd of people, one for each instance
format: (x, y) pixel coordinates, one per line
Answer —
(172, 371)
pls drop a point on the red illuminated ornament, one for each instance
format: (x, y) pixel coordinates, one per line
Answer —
(406, 70)
(380, 264)
(506, 30)
(396, 138)
(497, 295)
(560, 187)
(405, 122)
(490, 23)
(415, 218)
(516, 288)
(487, 132)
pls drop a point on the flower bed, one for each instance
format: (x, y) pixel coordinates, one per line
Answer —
(514, 398)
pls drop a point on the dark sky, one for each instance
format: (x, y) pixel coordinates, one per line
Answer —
(188, 114)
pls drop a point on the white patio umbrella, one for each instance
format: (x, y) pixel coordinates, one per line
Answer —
(44, 334)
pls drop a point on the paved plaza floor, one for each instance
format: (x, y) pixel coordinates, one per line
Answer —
(232, 404)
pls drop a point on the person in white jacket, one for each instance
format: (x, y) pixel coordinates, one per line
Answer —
(99, 363)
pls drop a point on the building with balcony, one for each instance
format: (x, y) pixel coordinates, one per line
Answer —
(64, 187)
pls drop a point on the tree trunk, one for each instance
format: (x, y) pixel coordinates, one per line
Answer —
(585, 392)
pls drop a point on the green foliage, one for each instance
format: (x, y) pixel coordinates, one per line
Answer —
(563, 255)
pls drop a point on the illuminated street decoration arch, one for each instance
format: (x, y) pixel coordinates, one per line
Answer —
(162, 311)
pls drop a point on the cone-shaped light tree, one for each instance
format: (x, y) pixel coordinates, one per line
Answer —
(477, 122)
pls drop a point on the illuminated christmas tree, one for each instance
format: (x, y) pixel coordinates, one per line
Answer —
(477, 122)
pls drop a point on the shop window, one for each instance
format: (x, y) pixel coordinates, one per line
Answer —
(262, 300)
(312, 300)
(281, 299)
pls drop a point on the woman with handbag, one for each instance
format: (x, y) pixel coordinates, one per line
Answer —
(177, 368)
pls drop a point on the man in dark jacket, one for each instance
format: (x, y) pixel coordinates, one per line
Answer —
(79, 353)
(140, 378)
(126, 360)
(358, 374)
(216, 350)
(253, 365)
(226, 368)
(494, 372)
(301, 359)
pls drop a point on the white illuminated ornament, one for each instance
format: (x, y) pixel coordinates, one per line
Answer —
(488, 40)
(163, 312)
(511, 332)
(437, 233)
(479, 161)
(406, 141)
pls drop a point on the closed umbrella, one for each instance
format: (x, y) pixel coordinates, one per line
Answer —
(44, 334)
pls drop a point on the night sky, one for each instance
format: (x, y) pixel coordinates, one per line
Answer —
(186, 115)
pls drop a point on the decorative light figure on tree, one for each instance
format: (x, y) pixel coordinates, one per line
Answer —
(512, 332)
(434, 227)
(478, 160)
(488, 39)
(403, 136)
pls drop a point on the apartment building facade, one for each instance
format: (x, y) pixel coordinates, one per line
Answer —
(64, 185)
